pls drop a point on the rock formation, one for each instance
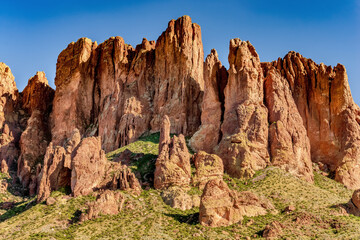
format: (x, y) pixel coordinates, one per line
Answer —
(82, 166)
(215, 80)
(356, 198)
(4, 167)
(37, 100)
(10, 117)
(220, 206)
(330, 116)
(208, 166)
(244, 144)
(177, 197)
(173, 163)
(117, 92)
(107, 203)
(289, 144)
(273, 230)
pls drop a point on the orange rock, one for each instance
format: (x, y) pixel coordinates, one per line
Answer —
(244, 144)
(173, 162)
(215, 79)
(220, 206)
(289, 144)
(330, 116)
(4, 167)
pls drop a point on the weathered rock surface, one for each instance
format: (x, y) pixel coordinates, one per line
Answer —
(56, 172)
(208, 166)
(215, 80)
(37, 102)
(273, 230)
(244, 144)
(173, 163)
(220, 206)
(82, 166)
(356, 198)
(177, 197)
(4, 167)
(117, 92)
(88, 166)
(179, 82)
(330, 116)
(107, 203)
(9, 116)
(289, 144)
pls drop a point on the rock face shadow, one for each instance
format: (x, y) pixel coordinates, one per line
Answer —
(191, 219)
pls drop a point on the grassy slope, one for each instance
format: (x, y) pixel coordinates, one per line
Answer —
(147, 217)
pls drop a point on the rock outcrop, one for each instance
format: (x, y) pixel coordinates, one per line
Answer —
(173, 163)
(208, 166)
(81, 165)
(289, 144)
(10, 117)
(273, 230)
(117, 92)
(177, 197)
(355, 199)
(220, 206)
(212, 107)
(4, 167)
(107, 203)
(244, 144)
(330, 116)
(37, 100)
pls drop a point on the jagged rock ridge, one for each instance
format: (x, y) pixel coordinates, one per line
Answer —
(286, 113)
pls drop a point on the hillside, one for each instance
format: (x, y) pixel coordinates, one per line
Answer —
(148, 217)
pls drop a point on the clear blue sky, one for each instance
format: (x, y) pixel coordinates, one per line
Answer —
(33, 33)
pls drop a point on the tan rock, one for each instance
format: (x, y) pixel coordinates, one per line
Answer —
(9, 116)
(330, 116)
(178, 76)
(177, 197)
(4, 167)
(88, 165)
(208, 166)
(221, 206)
(123, 178)
(215, 80)
(356, 198)
(173, 162)
(289, 144)
(56, 172)
(244, 144)
(107, 203)
(273, 230)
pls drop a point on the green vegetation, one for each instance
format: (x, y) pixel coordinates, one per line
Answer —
(147, 217)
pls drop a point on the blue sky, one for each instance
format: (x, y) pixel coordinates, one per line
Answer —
(33, 33)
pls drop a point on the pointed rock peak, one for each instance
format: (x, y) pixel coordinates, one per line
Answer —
(7, 79)
(38, 78)
(242, 54)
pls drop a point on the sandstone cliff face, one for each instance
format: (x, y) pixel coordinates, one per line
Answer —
(289, 144)
(36, 101)
(244, 144)
(9, 116)
(117, 92)
(330, 116)
(179, 77)
(215, 80)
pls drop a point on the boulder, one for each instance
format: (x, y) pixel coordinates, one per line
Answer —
(273, 230)
(177, 197)
(208, 166)
(107, 203)
(220, 206)
(4, 167)
(356, 198)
